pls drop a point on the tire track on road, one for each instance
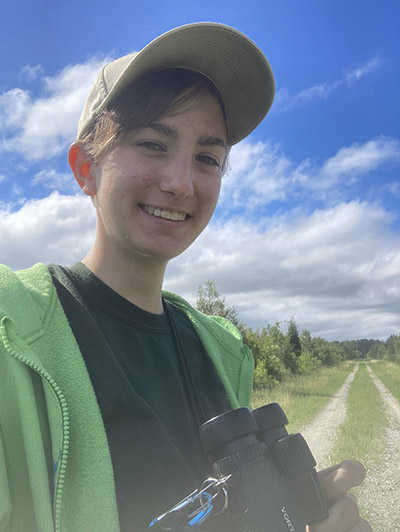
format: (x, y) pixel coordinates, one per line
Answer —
(390, 401)
(320, 434)
(380, 493)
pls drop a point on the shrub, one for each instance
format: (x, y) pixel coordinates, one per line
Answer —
(308, 364)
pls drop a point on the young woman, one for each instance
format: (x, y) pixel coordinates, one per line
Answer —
(105, 378)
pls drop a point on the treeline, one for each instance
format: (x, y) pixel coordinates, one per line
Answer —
(279, 352)
(373, 349)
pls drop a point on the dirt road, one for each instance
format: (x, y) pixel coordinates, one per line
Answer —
(320, 435)
(379, 496)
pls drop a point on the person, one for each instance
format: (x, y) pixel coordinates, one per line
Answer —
(105, 377)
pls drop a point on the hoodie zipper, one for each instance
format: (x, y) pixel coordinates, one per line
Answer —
(62, 461)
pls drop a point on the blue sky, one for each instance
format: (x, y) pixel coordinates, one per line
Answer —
(308, 223)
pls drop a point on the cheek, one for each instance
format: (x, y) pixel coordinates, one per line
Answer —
(214, 192)
(210, 195)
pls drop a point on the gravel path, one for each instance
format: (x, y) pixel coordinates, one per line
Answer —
(380, 492)
(320, 434)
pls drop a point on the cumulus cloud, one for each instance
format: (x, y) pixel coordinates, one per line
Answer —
(58, 228)
(349, 164)
(51, 179)
(335, 271)
(358, 159)
(14, 106)
(261, 173)
(42, 127)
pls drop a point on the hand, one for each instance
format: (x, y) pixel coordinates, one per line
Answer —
(343, 511)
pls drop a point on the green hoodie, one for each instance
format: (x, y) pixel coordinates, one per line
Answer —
(55, 464)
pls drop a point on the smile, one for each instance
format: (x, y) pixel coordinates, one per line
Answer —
(167, 215)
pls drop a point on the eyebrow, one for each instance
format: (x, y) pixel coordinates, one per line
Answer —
(204, 140)
(212, 140)
(164, 129)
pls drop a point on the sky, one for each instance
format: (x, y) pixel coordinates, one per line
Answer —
(307, 227)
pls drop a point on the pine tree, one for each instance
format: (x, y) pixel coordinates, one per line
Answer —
(293, 338)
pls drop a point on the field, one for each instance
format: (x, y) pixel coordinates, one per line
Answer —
(302, 397)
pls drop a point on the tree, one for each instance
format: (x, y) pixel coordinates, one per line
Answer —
(393, 348)
(291, 348)
(293, 338)
(267, 348)
(211, 302)
(306, 341)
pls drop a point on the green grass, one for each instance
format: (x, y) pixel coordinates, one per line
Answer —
(389, 374)
(303, 397)
(362, 435)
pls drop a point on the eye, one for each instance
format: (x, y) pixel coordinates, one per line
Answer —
(150, 145)
(208, 159)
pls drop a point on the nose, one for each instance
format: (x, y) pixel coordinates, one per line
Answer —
(177, 178)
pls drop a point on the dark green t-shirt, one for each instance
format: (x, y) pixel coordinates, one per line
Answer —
(135, 366)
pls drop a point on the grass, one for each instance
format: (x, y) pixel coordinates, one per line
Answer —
(389, 374)
(362, 435)
(303, 397)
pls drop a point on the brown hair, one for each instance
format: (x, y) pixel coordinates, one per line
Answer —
(154, 95)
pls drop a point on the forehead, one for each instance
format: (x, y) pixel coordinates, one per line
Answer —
(203, 116)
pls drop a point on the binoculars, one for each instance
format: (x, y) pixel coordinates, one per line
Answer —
(272, 482)
(263, 479)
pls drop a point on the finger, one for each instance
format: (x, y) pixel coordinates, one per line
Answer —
(336, 480)
(343, 516)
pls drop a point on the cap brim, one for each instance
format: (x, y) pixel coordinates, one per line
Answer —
(236, 66)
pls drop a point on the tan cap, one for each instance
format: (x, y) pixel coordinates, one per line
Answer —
(232, 61)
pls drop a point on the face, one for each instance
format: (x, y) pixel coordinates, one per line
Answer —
(157, 189)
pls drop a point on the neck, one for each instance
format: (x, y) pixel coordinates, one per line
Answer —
(139, 281)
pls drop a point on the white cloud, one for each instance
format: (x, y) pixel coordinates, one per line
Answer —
(44, 126)
(322, 91)
(392, 188)
(14, 107)
(30, 73)
(51, 179)
(261, 173)
(358, 159)
(284, 100)
(53, 229)
(366, 68)
(335, 271)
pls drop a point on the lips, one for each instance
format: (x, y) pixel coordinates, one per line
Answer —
(175, 216)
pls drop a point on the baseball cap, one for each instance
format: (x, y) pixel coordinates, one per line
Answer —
(232, 61)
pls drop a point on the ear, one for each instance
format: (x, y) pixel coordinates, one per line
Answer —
(83, 168)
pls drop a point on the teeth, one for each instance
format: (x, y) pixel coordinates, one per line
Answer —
(168, 215)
